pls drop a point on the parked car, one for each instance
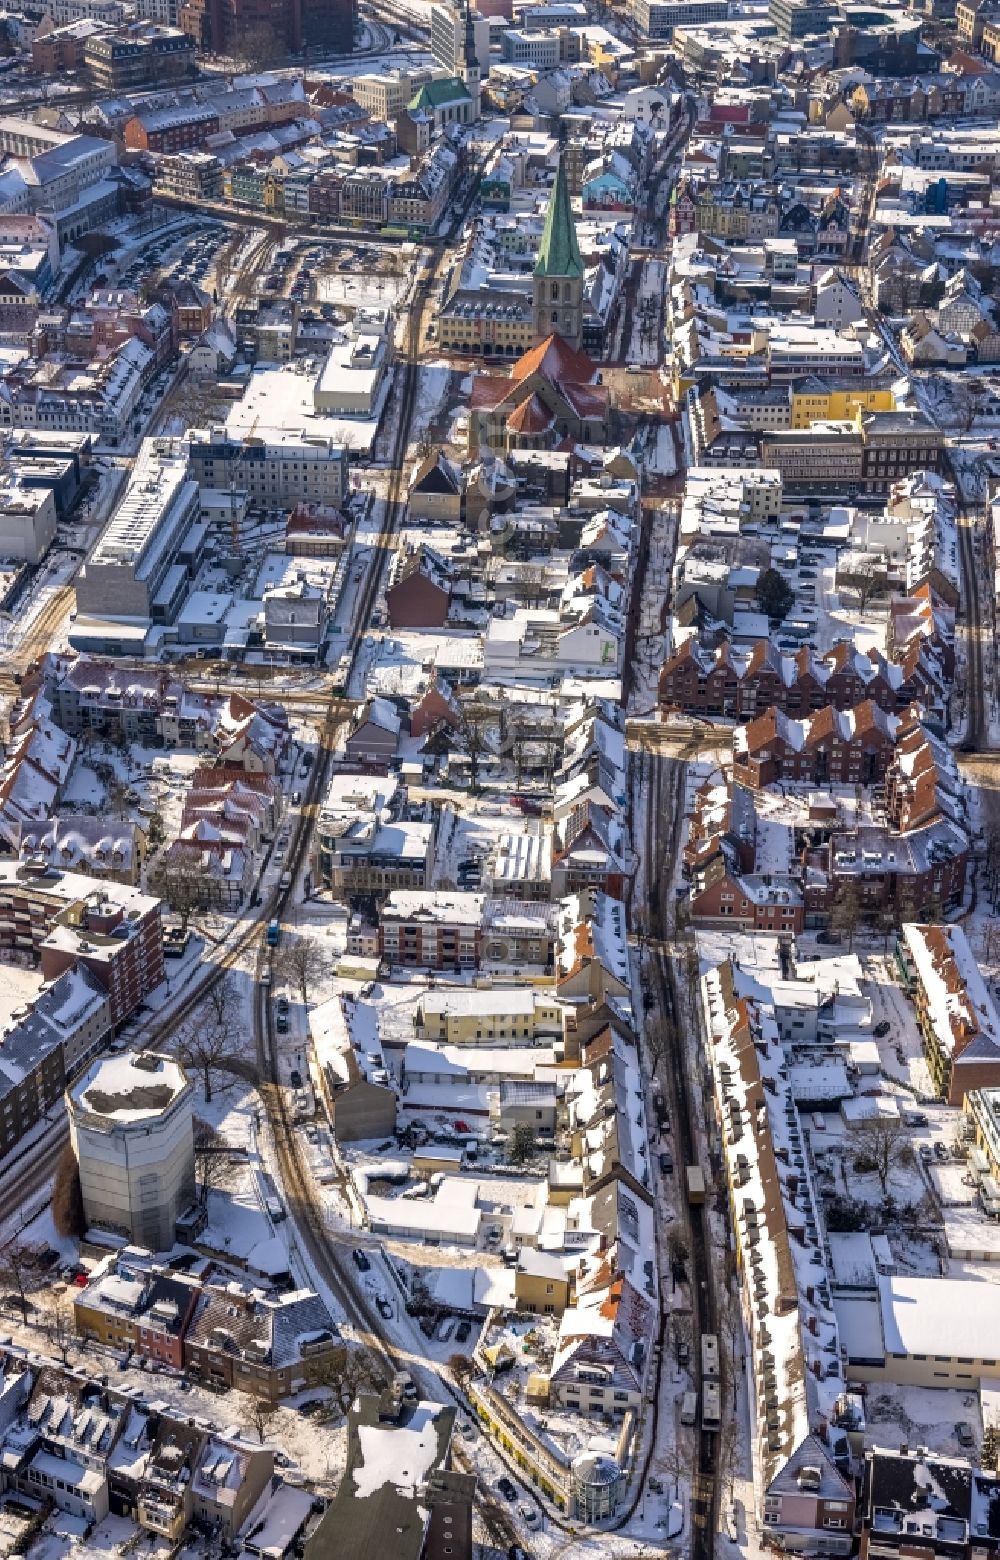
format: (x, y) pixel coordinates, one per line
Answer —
(507, 1489)
(462, 1332)
(360, 1259)
(529, 1516)
(295, 1078)
(384, 1308)
(666, 1163)
(964, 1434)
(881, 1030)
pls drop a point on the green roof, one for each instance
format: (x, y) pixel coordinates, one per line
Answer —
(434, 94)
(559, 254)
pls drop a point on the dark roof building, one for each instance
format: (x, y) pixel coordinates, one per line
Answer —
(398, 1497)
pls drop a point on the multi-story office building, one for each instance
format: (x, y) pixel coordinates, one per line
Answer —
(136, 570)
(448, 26)
(277, 473)
(794, 19)
(537, 49)
(658, 18)
(118, 61)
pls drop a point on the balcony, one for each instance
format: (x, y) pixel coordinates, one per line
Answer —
(162, 1514)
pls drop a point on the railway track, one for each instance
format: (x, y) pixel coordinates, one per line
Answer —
(243, 287)
(295, 1177)
(37, 639)
(32, 1173)
(975, 687)
(663, 787)
(401, 22)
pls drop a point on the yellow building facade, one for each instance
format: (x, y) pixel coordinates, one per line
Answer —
(837, 405)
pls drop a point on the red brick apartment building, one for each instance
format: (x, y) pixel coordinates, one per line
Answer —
(170, 129)
(722, 681)
(431, 931)
(837, 747)
(66, 919)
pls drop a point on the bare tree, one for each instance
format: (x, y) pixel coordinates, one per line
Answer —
(471, 738)
(884, 1143)
(677, 1249)
(868, 578)
(462, 1368)
(886, 924)
(731, 1330)
(728, 1457)
(990, 940)
(259, 1414)
(992, 863)
(59, 1325)
(661, 1039)
(208, 1045)
(846, 909)
(68, 1213)
(533, 578)
(21, 1271)
(180, 878)
(300, 962)
(117, 805)
(214, 1158)
(346, 1372)
(674, 1464)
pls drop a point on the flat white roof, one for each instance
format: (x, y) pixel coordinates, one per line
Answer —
(919, 1316)
(135, 1086)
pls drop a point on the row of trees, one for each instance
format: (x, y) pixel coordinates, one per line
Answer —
(213, 1041)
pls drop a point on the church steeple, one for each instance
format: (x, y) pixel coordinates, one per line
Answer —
(558, 281)
(470, 60)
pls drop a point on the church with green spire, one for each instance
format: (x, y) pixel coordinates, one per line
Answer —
(558, 280)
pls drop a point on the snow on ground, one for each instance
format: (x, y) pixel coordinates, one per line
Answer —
(433, 380)
(402, 660)
(651, 644)
(924, 1416)
(973, 462)
(354, 290)
(662, 457)
(644, 344)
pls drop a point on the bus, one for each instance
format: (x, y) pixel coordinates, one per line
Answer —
(272, 934)
(710, 1356)
(711, 1405)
